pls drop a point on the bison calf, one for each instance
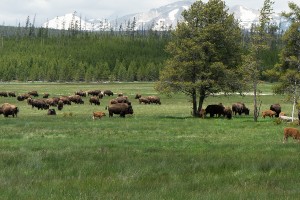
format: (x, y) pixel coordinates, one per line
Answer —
(269, 113)
(98, 114)
(291, 132)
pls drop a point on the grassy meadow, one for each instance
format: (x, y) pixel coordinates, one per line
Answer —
(160, 152)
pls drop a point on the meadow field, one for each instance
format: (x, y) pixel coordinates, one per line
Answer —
(159, 152)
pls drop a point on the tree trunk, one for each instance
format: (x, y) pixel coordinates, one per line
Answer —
(255, 101)
(201, 99)
(194, 101)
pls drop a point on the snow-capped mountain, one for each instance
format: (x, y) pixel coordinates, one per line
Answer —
(162, 18)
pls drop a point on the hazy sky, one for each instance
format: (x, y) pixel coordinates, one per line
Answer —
(13, 12)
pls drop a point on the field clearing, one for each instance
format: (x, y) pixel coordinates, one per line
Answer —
(160, 152)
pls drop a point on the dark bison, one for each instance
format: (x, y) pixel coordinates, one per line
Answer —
(51, 112)
(3, 94)
(38, 103)
(60, 105)
(239, 108)
(137, 96)
(9, 109)
(276, 108)
(23, 97)
(12, 94)
(94, 100)
(120, 108)
(215, 109)
(108, 93)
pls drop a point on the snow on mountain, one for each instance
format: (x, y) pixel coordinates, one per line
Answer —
(162, 18)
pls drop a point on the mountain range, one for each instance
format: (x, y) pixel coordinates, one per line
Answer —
(162, 18)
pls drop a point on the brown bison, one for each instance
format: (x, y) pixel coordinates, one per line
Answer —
(94, 92)
(228, 112)
(154, 99)
(269, 113)
(215, 109)
(144, 100)
(120, 108)
(76, 99)
(23, 97)
(9, 109)
(81, 93)
(65, 100)
(94, 100)
(108, 93)
(98, 114)
(276, 108)
(60, 105)
(33, 93)
(46, 95)
(291, 132)
(137, 96)
(12, 94)
(239, 108)
(38, 103)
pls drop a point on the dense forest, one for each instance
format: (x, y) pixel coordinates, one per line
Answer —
(41, 54)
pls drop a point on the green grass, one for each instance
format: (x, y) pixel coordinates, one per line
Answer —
(160, 152)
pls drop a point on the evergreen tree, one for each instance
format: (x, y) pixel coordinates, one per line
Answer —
(204, 50)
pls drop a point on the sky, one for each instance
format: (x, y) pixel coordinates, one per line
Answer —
(13, 12)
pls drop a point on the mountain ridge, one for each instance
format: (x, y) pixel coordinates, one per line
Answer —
(160, 19)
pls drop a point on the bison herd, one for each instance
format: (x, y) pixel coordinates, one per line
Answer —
(120, 105)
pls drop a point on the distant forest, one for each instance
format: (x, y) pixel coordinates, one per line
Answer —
(41, 54)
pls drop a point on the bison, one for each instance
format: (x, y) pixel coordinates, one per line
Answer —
(60, 105)
(98, 114)
(38, 103)
(202, 113)
(291, 132)
(23, 97)
(269, 113)
(33, 93)
(215, 109)
(94, 100)
(46, 95)
(51, 112)
(228, 112)
(76, 99)
(81, 93)
(154, 99)
(9, 109)
(11, 94)
(239, 108)
(137, 96)
(108, 93)
(120, 108)
(3, 94)
(144, 100)
(276, 108)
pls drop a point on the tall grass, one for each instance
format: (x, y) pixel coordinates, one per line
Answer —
(160, 152)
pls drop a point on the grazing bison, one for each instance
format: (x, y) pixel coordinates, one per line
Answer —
(65, 100)
(108, 93)
(94, 100)
(33, 93)
(12, 94)
(23, 97)
(239, 108)
(137, 96)
(3, 94)
(120, 108)
(291, 132)
(215, 109)
(81, 93)
(60, 105)
(38, 103)
(46, 95)
(98, 114)
(51, 112)
(228, 112)
(76, 99)
(276, 108)
(269, 113)
(94, 92)
(154, 99)
(9, 109)
(144, 100)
